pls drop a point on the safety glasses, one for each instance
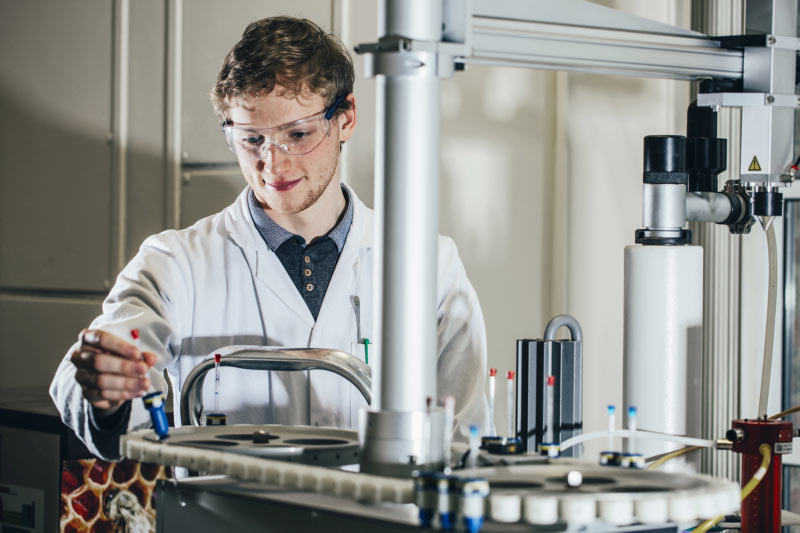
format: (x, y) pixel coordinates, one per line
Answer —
(294, 138)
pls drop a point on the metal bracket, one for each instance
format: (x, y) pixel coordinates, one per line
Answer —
(783, 42)
(748, 100)
(398, 56)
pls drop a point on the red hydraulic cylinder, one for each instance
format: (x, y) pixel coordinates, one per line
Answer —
(761, 510)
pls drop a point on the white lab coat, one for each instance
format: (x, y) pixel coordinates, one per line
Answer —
(216, 284)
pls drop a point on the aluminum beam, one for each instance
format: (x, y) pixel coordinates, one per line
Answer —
(559, 46)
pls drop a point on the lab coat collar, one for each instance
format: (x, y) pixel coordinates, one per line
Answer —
(270, 271)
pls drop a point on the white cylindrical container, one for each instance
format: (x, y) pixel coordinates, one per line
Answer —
(652, 510)
(663, 342)
(617, 511)
(540, 510)
(505, 507)
(578, 511)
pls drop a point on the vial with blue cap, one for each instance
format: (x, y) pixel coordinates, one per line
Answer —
(474, 492)
(153, 400)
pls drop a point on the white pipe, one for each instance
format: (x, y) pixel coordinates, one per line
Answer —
(639, 434)
(663, 338)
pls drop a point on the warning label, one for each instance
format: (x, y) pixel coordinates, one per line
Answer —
(783, 447)
(754, 166)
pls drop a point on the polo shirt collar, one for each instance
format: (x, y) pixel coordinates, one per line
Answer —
(274, 235)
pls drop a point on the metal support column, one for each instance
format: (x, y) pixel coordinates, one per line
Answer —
(400, 436)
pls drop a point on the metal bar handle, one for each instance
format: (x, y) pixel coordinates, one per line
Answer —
(262, 358)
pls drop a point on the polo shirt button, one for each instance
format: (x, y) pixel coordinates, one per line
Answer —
(307, 272)
(307, 259)
(310, 287)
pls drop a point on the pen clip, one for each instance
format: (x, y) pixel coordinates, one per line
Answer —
(356, 301)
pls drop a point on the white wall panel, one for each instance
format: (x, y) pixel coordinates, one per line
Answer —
(205, 192)
(146, 176)
(55, 158)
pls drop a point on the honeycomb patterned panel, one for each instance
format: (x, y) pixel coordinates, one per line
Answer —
(101, 496)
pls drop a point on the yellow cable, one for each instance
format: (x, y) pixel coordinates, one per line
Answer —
(784, 413)
(673, 455)
(766, 456)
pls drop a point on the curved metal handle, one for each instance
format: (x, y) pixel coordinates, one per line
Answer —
(563, 320)
(261, 358)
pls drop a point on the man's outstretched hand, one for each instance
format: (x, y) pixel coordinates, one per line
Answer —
(110, 370)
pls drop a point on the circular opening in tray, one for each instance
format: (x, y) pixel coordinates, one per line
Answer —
(587, 480)
(637, 489)
(315, 442)
(245, 437)
(511, 484)
(209, 442)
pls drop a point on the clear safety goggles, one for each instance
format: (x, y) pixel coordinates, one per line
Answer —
(294, 138)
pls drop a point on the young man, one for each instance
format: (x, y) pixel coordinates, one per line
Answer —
(279, 267)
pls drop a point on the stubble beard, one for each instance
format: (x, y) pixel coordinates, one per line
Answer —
(311, 197)
(314, 194)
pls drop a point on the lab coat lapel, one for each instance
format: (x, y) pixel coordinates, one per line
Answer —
(268, 269)
(343, 282)
(271, 272)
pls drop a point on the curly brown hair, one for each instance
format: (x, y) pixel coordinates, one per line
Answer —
(294, 53)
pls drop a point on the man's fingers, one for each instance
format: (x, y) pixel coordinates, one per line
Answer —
(150, 358)
(105, 362)
(115, 382)
(94, 380)
(109, 342)
(97, 396)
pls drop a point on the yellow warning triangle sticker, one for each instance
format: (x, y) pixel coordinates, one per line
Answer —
(754, 166)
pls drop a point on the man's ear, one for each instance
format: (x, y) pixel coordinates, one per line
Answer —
(346, 120)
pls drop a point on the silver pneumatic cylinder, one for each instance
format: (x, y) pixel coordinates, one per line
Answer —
(663, 314)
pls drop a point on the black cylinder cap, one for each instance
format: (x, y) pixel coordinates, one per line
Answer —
(706, 157)
(665, 159)
(767, 203)
(665, 153)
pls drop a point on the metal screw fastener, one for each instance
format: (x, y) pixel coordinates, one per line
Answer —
(770, 99)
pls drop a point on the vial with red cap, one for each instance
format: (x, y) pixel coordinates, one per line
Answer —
(216, 418)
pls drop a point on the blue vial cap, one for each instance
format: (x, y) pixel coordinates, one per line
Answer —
(446, 521)
(611, 409)
(425, 517)
(632, 410)
(154, 402)
(473, 525)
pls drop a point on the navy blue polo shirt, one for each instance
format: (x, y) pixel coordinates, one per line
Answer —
(309, 266)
